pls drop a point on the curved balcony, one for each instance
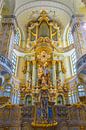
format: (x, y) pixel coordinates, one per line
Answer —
(5, 69)
(6, 64)
(81, 69)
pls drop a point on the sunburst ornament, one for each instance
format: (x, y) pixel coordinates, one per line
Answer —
(43, 56)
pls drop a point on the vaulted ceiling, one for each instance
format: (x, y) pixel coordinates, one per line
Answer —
(26, 10)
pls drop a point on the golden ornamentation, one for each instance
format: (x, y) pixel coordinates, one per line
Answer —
(43, 16)
(53, 62)
(44, 40)
(34, 62)
(43, 56)
(44, 125)
(4, 101)
(44, 88)
(63, 68)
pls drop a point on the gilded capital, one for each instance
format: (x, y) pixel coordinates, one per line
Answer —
(28, 62)
(34, 62)
(54, 62)
(82, 128)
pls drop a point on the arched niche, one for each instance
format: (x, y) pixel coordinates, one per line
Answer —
(28, 100)
(60, 100)
(7, 90)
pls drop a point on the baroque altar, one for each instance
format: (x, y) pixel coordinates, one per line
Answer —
(44, 71)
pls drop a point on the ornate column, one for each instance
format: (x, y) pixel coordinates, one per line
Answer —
(36, 31)
(60, 70)
(34, 73)
(28, 73)
(67, 65)
(29, 38)
(59, 38)
(7, 27)
(51, 31)
(54, 73)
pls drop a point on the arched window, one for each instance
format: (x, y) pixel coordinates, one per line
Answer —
(60, 100)
(7, 90)
(70, 37)
(17, 37)
(28, 100)
(14, 62)
(73, 62)
(16, 97)
(72, 97)
(81, 91)
(83, 29)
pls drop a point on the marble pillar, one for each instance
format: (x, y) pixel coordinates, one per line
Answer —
(54, 73)
(34, 73)
(28, 74)
(60, 71)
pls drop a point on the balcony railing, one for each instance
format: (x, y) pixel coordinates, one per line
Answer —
(81, 64)
(81, 69)
(6, 63)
